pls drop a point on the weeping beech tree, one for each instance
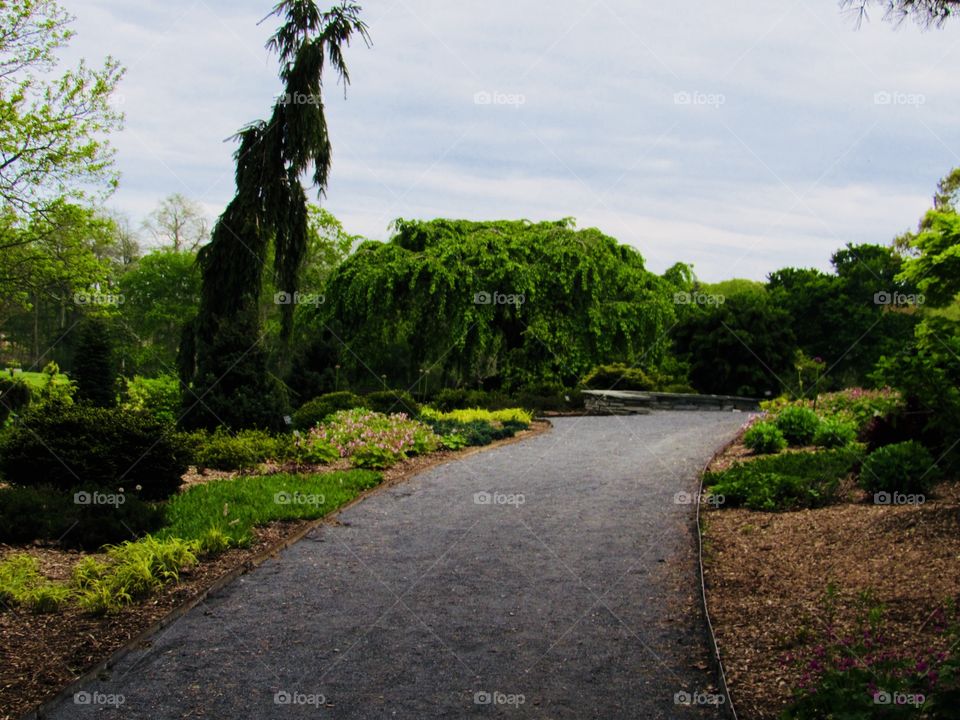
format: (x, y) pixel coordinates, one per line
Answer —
(222, 359)
(505, 304)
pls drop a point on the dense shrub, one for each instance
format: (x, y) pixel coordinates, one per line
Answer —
(618, 376)
(43, 513)
(93, 364)
(783, 482)
(222, 450)
(159, 396)
(459, 399)
(549, 398)
(80, 446)
(15, 395)
(899, 425)
(859, 405)
(904, 467)
(764, 438)
(798, 424)
(320, 408)
(390, 401)
(835, 432)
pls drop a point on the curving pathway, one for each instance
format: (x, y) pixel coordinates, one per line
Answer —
(551, 578)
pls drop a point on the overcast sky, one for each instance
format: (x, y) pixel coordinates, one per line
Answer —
(742, 136)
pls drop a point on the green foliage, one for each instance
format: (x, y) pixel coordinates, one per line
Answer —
(764, 438)
(54, 125)
(161, 293)
(43, 513)
(374, 440)
(516, 415)
(22, 584)
(859, 405)
(783, 482)
(233, 508)
(93, 365)
(834, 432)
(244, 450)
(460, 398)
(133, 571)
(266, 224)
(618, 376)
(740, 347)
(320, 408)
(453, 441)
(95, 448)
(505, 304)
(927, 374)
(390, 401)
(935, 270)
(836, 317)
(15, 396)
(903, 467)
(159, 397)
(798, 424)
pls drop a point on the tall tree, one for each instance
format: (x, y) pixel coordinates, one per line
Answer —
(179, 223)
(268, 216)
(52, 124)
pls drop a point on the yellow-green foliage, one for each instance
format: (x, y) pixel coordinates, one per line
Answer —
(22, 584)
(473, 414)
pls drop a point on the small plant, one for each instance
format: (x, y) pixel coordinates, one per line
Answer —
(374, 440)
(764, 438)
(834, 432)
(903, 467)
(798, 424)
(21, 583)
(133, 570)
(222, 450)
(453, 441)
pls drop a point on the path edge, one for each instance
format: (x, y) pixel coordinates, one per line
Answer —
(40, 712)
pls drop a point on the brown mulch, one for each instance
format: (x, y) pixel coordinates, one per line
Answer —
(767, 574)
(40, 654)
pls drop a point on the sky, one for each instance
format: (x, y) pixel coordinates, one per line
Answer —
(741, 137)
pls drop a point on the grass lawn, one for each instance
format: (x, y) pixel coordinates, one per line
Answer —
(35, 380)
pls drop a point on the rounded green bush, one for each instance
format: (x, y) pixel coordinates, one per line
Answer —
(906, 467)
(391, 401)
(834, 432)
(80, 446)
(798, 424)
(764, 438)
(317, 410)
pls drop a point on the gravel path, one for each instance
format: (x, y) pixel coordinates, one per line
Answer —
(552, 578)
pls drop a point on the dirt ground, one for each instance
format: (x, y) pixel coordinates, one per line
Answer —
(767, 574)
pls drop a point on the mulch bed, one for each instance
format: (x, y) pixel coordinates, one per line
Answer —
(40, 654)
(767, 574)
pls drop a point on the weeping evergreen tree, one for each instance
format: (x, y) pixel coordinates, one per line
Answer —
(222, 358)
